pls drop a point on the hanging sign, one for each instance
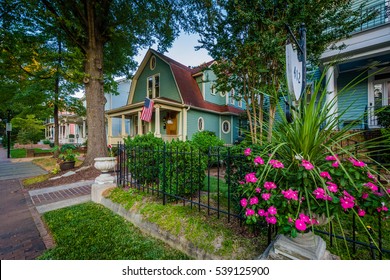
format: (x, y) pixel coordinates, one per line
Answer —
(8, 127)
(293, 71)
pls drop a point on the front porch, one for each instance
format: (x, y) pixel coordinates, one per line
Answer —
(167, 122)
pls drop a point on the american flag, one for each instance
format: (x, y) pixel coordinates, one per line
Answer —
(146, 114)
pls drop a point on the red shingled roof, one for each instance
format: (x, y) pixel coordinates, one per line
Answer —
(189, 89)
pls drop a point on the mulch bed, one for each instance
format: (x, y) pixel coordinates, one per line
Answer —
(88, 174)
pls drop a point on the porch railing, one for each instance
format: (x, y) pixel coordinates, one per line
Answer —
(382, 16)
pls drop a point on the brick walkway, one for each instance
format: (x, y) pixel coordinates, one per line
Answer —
(53, 198)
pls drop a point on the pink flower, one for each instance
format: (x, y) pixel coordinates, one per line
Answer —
(258, 160)
(249, 212)
(269, 185)
(300, 225)
(290, 194)
(276, 164)
(370, 176)
(271, 220)
(335, 164)
(361, 212)
(253, 200)
(371, 186)
(266, 196)
(244, 202)
(290, 220)
(346, 203)
(241, 182)
(304, 218)
(307, 165)
(319, 193)
(364, 195)
(326, 175)
(388, 191)
(332, 187)
(357, 163)
(331, 158)
(247, 151)
(262, 213)
(272, 210)
(251, 177)
(257, 190)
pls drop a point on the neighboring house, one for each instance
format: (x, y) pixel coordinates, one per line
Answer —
(72, 128)
(116, 101)
(367, 54)
(185, 102)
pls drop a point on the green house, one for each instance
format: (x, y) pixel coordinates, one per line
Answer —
(184, 101)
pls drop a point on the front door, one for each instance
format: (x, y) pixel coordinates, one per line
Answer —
(171, 125)
(379, 97)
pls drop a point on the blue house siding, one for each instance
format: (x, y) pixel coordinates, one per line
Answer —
(352, 101)
(210, 120)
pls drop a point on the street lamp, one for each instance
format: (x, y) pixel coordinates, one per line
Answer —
(9, 129)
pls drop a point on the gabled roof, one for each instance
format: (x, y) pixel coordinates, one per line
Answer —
(188, 87)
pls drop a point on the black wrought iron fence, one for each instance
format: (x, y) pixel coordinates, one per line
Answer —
(208, 181)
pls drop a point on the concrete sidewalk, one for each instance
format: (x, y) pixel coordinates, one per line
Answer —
(22, 232)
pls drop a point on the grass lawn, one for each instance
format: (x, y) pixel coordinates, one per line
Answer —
(18, 153)
(92, 232)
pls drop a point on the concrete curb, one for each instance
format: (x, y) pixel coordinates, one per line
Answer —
(60, 188)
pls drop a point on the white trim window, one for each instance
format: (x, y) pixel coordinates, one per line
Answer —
(213, 90)
(200, 124)
(240, 103)
(231, 97)
(225, 127)
(153, 86)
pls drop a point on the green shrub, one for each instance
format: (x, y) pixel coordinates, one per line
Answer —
(66, 147)
(46, 142)
(205, 139)
(182, 171)
(384, 117)
(144, 158)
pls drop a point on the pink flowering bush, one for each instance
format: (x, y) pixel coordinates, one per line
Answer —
(293, 195)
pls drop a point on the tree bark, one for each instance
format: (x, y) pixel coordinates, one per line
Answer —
(97, 142)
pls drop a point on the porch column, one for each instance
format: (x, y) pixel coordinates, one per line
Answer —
(184, 124)
(123, 126)
(109, 127)
(331, 96)
(180, 126)
(84, 128)
(139, 132)
(157, 132)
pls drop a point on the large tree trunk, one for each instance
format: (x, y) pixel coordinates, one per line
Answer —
(97, 142)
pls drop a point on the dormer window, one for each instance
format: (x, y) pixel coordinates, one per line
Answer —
(153, 86)
(231, 97)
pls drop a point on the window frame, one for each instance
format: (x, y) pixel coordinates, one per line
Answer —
(229, 127)
(201, 121)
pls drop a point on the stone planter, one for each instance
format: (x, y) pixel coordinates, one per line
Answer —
(105, 164)
(306, 246)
